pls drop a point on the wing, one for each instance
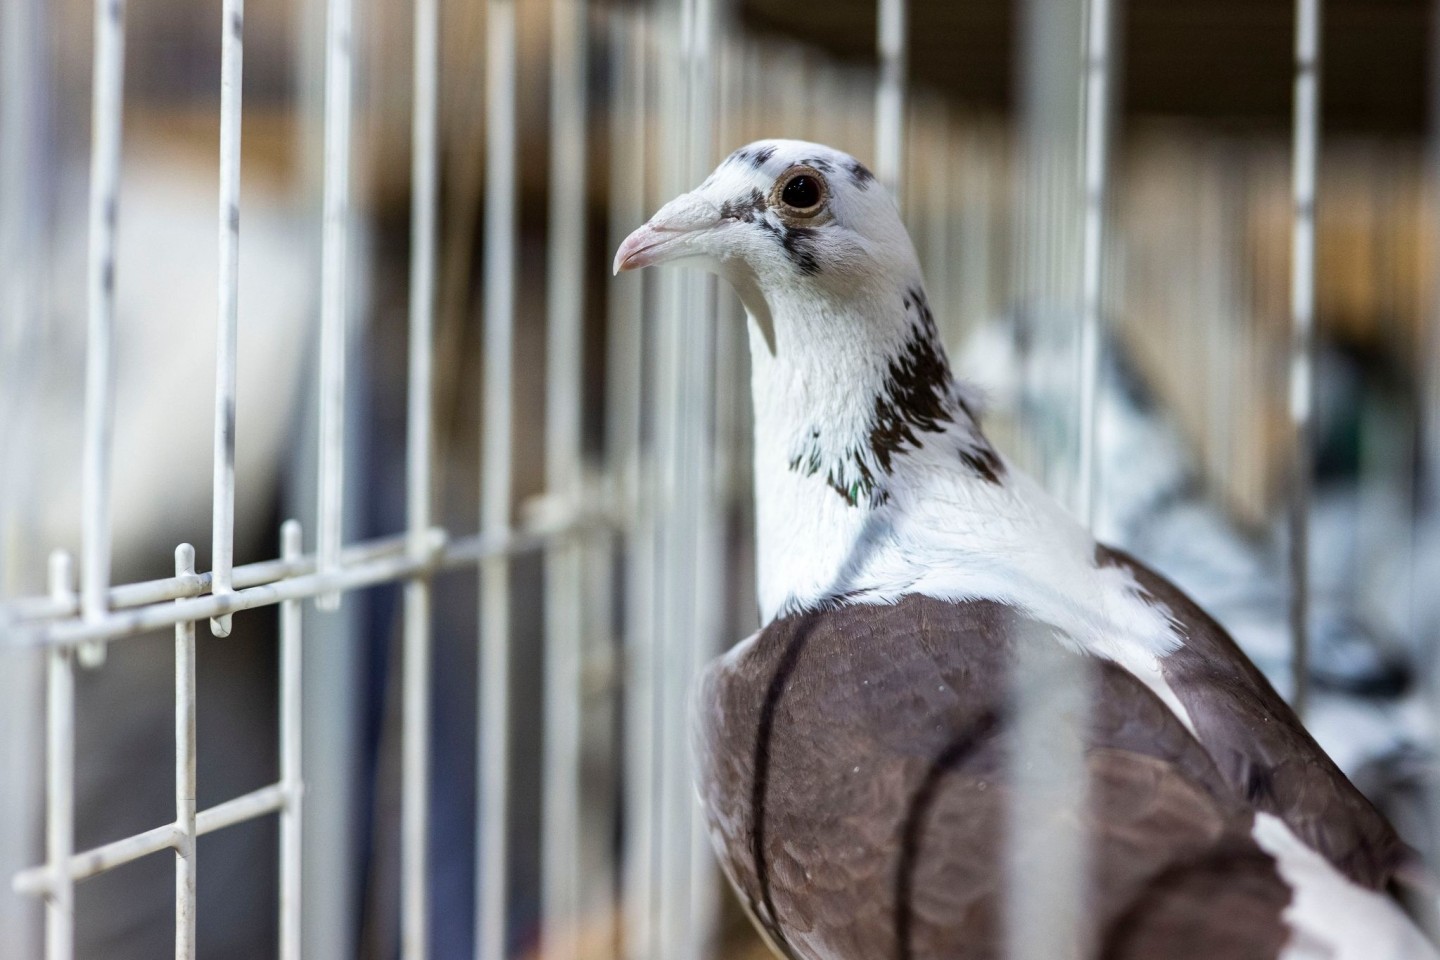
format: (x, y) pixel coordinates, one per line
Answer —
(854, 772)
(1260, 747)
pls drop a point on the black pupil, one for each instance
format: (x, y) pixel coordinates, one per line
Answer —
(801, 193)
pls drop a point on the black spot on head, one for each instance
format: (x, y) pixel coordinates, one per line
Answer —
(860, 174)
(762, 157)
(799, 244)
(747, 209)
(819, 163)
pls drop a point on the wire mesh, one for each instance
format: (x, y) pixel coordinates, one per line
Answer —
(674, 453)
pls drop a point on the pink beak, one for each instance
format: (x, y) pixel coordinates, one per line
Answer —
(674, 232)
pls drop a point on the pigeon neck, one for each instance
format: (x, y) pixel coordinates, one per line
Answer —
(851, 402)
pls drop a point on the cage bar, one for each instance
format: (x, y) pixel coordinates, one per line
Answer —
(292, 789)
(625, 373)
(501, 225)
(105, 120)
(1306, 136)
(1096, 130)
(892, 44)
(564, 696)
(185, 834)
(334, 255)
(415, 777)
(60, 781)
(222, 515)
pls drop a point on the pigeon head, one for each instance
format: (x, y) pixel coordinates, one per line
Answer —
(780, 215)
(855, 409)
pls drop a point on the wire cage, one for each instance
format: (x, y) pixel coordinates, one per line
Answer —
(576, 449)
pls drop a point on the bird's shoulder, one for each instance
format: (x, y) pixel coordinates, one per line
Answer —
(1260, 746)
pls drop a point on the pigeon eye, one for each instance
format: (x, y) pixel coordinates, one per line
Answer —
(803, 193)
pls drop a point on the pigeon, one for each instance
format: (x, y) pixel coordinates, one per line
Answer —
(852, 755)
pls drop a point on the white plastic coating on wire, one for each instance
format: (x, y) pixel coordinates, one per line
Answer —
(222, 515)
(106, 109)
(892, 43)
(290, 740)
(415, 779)
(60, 781)
(334, 254)
(185, 831)
(563, 701)
(625, 374)
(491, 847)
(684, 404)
(1302, 329)
(1095, 131)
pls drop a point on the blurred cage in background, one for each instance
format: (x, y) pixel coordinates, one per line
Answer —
(520, 488)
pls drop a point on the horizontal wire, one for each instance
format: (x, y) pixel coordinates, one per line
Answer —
(91, 863)
(365, 565)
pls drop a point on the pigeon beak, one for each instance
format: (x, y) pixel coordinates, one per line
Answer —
(676, 232)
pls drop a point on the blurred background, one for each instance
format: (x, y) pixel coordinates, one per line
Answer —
(616, 108)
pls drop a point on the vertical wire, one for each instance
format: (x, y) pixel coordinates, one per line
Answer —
(106, 110)
(1302, 331)
(499, 317)
(415, 779)
(60, 778)
(222, 514)
(22, 75)
(185, 771)
(629, 58)
(892, 44)
(291, 618)
(334, 255)
(560, 812)
(684, 406)
(1424, 498)
(1092, 252)
(671, 585)
(1047, 867)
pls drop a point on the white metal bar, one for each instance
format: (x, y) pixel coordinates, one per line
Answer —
(383, 569)
(335, 249)
(146, 592)
(185, 834)
(1302, 330)
(90, 863)
(249, 806)
(291, 819)
(1092, 250)
(60, 783)
(106, 112)
(625, 392)
(892, 44)
(491, 846)
(222, 514)
(415, 781)
(560, 804)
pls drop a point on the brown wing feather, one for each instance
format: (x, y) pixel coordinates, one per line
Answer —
(853, 768)
(1260, 747)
